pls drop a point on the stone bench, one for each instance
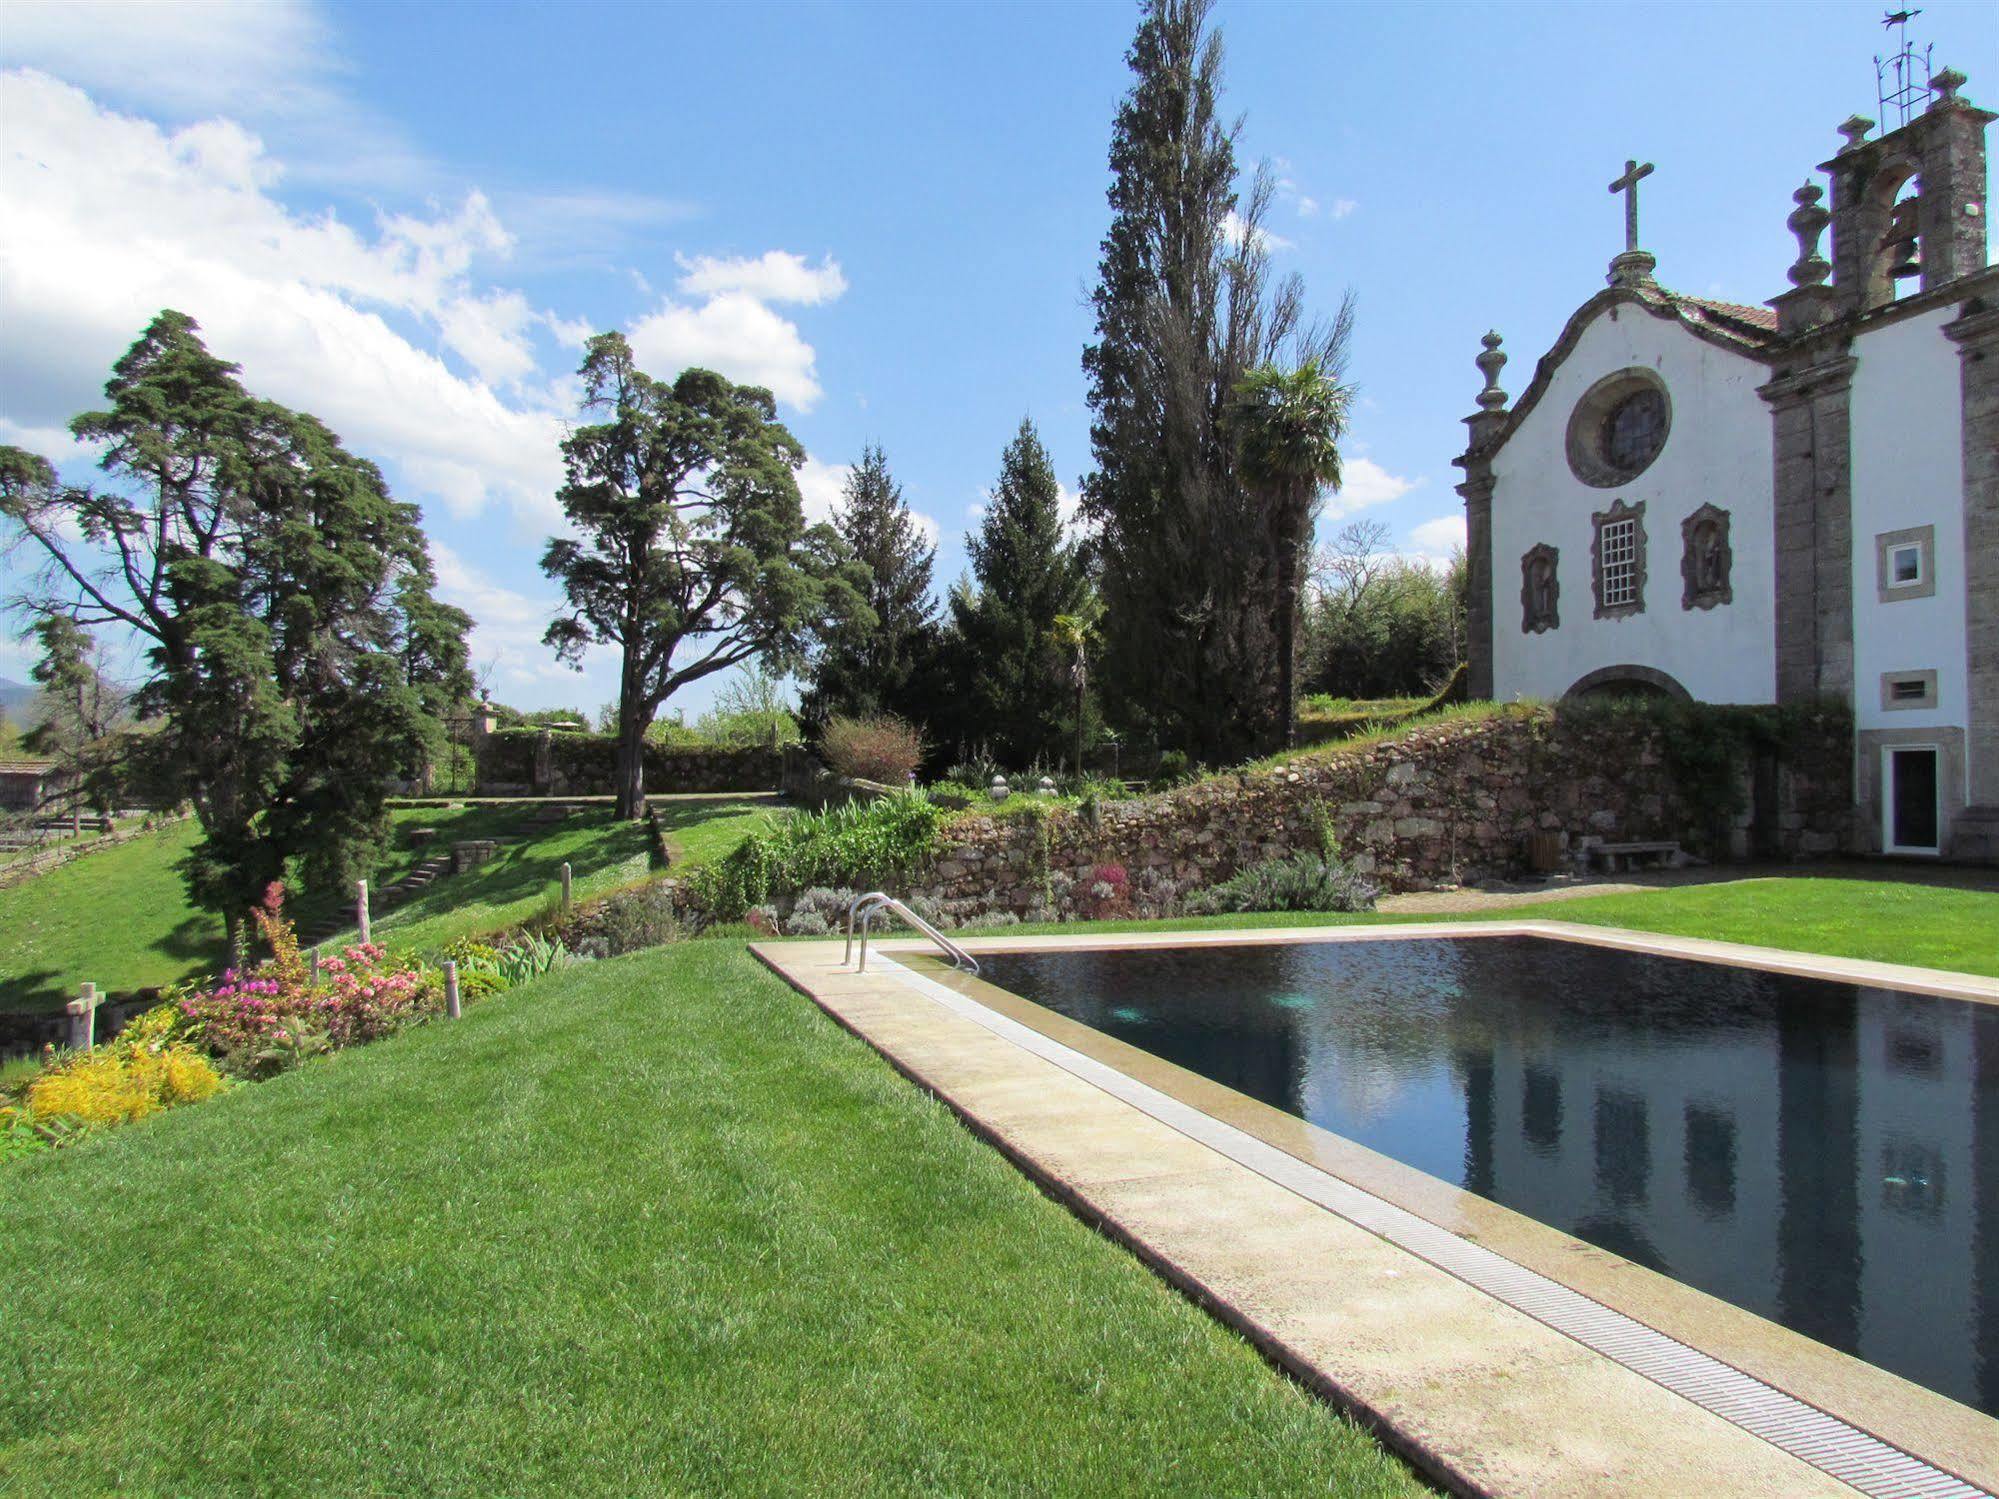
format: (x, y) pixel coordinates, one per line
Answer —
(1622, 856)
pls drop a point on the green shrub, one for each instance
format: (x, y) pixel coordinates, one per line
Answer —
(1302, 882)
(861, 845)
(630, 920)
(881, 748)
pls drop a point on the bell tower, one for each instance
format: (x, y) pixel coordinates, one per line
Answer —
(1935, 230)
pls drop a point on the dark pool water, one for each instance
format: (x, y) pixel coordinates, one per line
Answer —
(1822, 1155)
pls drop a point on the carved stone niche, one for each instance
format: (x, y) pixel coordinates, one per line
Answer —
(1707, 564)
(1540, 589)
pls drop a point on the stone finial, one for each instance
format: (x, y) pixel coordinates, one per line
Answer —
(1855, 130)
(1632, 268)
(1489, 363)
(1946, 84)
(1807, 222)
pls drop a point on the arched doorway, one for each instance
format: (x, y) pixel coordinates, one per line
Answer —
(1628, 681)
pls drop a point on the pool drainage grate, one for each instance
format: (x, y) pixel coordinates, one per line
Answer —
(1853, 1456)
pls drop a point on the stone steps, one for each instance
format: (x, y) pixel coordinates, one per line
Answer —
(383, 901)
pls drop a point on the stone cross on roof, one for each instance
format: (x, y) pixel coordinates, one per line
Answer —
(1628, 184)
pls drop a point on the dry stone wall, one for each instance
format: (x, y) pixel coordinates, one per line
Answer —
(1441, 804)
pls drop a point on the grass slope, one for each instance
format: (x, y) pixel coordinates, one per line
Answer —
(121, 918)
(118, 918)
(602, 854)
(654, 1225)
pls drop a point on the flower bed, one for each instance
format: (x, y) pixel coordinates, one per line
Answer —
(249, 1024)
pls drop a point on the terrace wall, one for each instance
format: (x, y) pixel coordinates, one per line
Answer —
(1441, 804)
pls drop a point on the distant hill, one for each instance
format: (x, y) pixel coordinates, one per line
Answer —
(15, 700)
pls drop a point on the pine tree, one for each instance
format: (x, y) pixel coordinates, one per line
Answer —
(296, 653)
(1184, 310)
(692, 554)
(870, 666)
(1017, 684)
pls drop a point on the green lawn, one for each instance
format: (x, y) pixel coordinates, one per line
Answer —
(702, 830)
(1888, 921)
(649, 1226)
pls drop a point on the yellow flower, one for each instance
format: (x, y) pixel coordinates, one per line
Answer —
(115, 1085)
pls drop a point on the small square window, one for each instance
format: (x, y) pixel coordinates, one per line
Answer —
(1905, 564)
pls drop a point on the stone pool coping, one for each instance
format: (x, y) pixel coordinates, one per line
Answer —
(1479, 1394)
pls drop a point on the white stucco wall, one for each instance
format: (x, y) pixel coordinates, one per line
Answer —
(1717, 451)
(1908, 471)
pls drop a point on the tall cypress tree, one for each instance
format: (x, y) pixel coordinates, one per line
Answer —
(869, 667)
(1017, 692)
(1184, 310)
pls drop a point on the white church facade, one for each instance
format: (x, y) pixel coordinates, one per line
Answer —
(1774, 504)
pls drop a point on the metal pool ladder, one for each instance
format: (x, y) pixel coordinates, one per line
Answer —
(867, 907)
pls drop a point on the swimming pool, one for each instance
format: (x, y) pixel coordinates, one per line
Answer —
(1820, 1154)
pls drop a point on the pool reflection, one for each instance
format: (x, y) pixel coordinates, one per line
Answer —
(1822, 1155)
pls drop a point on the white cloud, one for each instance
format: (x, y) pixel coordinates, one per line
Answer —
(774, 276)
(820, 485)
(1070, 505)
(733, 330)
(192, 56)
(490, 333)
(1343, 207)
(1233, 230)
(1364, 483)
(274, 62)
(1308, 208)
(509, 625)
(735, 335)
(1435, 540)
(106, 219)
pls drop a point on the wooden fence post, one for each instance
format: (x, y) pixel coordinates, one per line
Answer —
(361, 908)
(451, 1006)
(315, 968)
(567, 886)
(83, 1019)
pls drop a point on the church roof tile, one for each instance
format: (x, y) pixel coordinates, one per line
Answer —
(1755, 322)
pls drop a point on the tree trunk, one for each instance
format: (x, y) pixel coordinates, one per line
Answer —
(1082, 691)
(631, 762)
(1287, 641)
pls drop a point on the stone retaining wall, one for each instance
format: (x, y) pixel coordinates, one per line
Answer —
(1439, 805)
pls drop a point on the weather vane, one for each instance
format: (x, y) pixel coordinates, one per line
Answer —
(1902, 78)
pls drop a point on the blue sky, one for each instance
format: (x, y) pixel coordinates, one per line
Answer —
(405, 219)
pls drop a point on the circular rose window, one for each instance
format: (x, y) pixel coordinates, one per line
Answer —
(1618, 428)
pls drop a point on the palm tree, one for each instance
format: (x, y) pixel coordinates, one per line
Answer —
(1070, 635)
(1288, 429)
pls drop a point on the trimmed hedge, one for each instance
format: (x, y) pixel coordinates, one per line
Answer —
(585, 764)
